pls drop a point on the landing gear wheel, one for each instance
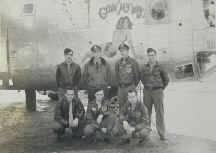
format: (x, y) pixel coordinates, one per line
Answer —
(30, 100)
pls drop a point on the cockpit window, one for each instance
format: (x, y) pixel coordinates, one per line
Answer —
(28, 8)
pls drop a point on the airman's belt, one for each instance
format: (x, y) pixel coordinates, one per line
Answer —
(125, 85)
(152, 88)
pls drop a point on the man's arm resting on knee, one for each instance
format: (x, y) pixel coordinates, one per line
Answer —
(99, 118)
(58, 117)
(75, 122)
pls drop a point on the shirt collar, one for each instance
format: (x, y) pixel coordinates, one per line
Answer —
(102, 102)
(92, 61)
(99, 61)
(126, 59)
(156, 64)
(130, 105)
(67, 63)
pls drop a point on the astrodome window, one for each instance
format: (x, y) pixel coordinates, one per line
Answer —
(209, 9)
(159, 9)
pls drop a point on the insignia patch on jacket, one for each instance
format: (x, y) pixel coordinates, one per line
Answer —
(104, 108)
(128, 68)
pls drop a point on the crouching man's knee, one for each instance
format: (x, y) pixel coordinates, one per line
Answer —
(117, 131)
(58, 128)
(89, 130)
(144, 133)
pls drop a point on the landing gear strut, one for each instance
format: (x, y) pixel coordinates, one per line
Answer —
(30, 100)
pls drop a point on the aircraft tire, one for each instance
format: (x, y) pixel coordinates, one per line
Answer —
(30, 100)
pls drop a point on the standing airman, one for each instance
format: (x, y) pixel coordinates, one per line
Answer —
(97, 72)
(68, 73)
(155, 79)
(127, 74)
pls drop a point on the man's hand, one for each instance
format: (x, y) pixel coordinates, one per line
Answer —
(128, 128)
(99, 119)
(64, 122)
(104, 130)
(93, 109)
(132, 129)
(75, 122)
(125, 125)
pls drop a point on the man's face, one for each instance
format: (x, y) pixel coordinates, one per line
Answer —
(132, 97)
(68, 57)
(99, 95)
(97, 53)
(152, 57)
(82, 94)
(124, 53)
(69, 95)
(116, 109)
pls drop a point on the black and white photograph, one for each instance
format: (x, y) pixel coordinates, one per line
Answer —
(107, 76)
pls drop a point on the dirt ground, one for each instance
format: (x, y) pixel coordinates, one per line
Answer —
(23, 132)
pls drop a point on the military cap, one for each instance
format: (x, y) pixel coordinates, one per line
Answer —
(98, 90)
(114, 104)
(95, 48)
(67, 50)
(123, 46)
(149, 50)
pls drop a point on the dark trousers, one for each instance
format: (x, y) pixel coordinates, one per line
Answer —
(138, 134)
(59, 128)
(111, 123)
(112, 92)
(76, 131)
(155, 97)
(122, 95)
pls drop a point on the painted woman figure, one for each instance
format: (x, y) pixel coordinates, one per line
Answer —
(122, 34)
(159, 9)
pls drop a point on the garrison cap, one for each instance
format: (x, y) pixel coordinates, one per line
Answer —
(149, 50)
(114, 104)
(67, 50)
(123, 46)
(96, 48)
